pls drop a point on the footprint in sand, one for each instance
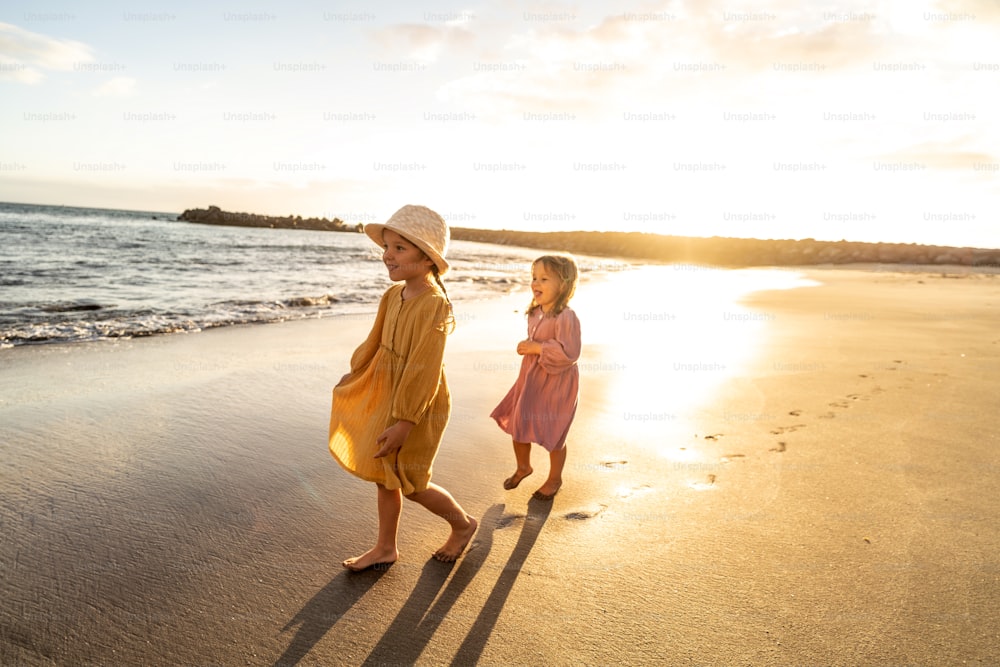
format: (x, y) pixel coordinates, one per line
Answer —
(780, 448)
(508, 520)
(635, 490)
(614, 463)
(589, 513)
(786, 429)
(846, 403)
(795, 413)
(729, 457)
(714, 436)
(828, 415)
(702, 486)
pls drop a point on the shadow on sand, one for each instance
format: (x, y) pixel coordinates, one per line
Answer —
(423, 612)
(323, 611)
(405, 639)
(475, 641)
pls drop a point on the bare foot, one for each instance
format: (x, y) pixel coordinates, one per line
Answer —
(515, 479)
(374, 557)
(548, 490)
(457, 541)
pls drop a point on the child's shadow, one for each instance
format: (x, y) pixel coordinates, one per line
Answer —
(323, 611)
(405, 639)
(475, 641)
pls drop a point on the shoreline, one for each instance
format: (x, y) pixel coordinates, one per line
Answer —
(362, 312)
(828, 498)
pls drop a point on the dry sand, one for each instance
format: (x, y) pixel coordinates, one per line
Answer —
(810, 478)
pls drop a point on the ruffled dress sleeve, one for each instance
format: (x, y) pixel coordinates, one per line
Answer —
(561, 352)
(421, 377)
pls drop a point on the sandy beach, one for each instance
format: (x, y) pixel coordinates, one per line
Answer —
(798, 476)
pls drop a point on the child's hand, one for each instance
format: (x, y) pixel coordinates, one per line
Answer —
(529, 346)
(392, 438)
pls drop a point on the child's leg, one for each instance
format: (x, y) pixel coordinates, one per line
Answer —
(522, 454)
(463, 526)
(557, 460)
(390, 504)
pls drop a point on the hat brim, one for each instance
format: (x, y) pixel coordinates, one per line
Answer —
(374, 231)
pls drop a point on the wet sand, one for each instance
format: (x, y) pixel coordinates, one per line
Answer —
(812, 479)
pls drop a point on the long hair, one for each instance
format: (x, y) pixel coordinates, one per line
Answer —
(448, 325)
(564, 268)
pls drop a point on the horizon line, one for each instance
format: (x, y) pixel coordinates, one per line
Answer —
(533, 231)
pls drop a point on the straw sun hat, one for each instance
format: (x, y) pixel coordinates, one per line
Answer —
(420, 226)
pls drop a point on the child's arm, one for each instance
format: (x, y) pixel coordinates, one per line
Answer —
(560, 353)
(421, 377)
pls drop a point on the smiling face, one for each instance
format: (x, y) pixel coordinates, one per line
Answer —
(545, 286)
(404, 260)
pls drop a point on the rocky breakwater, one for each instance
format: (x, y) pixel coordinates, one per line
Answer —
(716, 251)
(734, 252)
(213, 215)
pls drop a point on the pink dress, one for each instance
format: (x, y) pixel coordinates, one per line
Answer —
(542, 403)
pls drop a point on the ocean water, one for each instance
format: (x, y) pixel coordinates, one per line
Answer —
(80, 274)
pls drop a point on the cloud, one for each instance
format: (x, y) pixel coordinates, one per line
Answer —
(945, 156)
(425, 43)
(11, 70)
(782, 34)
(559, 67)
(982, 11)
(120, 86)
(672, 52)
(24, 55)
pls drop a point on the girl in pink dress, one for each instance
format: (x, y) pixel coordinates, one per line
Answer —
(542, 403)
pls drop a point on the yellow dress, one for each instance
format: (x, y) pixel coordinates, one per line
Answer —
(397, 373)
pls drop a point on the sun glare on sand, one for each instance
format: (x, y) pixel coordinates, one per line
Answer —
(663, 338)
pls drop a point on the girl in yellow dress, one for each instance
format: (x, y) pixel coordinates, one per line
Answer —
(390, 411)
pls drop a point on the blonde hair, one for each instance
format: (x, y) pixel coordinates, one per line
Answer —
(564, 268)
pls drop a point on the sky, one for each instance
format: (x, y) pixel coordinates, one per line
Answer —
(865, 121)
